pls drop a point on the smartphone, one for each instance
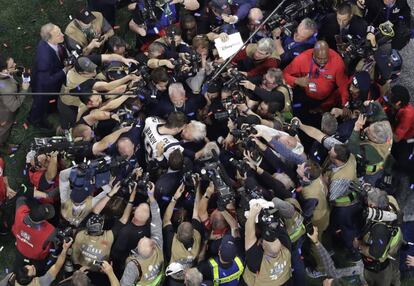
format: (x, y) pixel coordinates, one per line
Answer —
(26, 77)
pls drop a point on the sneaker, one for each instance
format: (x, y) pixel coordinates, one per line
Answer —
(312, 273)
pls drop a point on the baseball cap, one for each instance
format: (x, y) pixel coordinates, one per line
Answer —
(85, 16)
(362, 80)
(219, 4)
(84, 64)
(41, 212)
(228, 248)
(214, 87)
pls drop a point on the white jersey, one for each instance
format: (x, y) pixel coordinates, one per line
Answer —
(152, 137)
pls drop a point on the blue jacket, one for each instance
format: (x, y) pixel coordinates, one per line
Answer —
(47, 72)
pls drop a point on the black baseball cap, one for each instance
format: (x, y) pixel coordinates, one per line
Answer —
(41, 212)
(85, 15)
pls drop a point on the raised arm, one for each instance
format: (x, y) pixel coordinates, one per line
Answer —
(103, 201)
(169, 211)
(156, 226)
(250, 227)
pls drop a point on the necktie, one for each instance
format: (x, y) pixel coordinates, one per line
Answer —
(61, 52)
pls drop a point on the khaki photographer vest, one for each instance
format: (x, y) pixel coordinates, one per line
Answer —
(73, 79)
(67, 211)
(73, 32)
(185, 256)
(88, 248)
(294, 225)
(347, 171)
(273, 270)
(318, 190)
(151, 269)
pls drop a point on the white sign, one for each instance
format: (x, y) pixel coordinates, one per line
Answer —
(228, 48)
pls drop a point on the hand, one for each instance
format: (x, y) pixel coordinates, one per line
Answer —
(115, 189)
(159, 148)
(372, 40)
(242, 108)
(248, 84)
(337, 112)
(25, 86)
(314, 236)
(179, 192)
(259, 144)
(138, 172)
(132, 192)
(276, 32)
(224, 37)
(262, 134)
(54, 155)
(359, 124)
(151, 191)
(184, 56)
(94, 44)
(255, 210)
(228, 142)
(129, 61)
(126, 128)
(169, 64)
(107, 268)
(410, 261)
(230, 19)
(66, 245)
(210, 189)
(10, 193)
(302, 81)
(115, 117)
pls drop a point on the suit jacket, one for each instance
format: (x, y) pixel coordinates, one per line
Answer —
(48, 74)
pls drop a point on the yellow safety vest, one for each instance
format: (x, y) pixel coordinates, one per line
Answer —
(235, 276)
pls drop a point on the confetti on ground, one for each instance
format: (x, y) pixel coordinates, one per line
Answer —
(5, 45)
(1, 248)
(19, 28)
(52, 101)
(11, 156)
(117, 27)
(25, 125)
(27, 47)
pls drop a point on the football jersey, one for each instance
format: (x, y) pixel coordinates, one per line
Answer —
(152, 137)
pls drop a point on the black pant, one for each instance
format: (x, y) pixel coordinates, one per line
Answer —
(67, 115)
(42, 106)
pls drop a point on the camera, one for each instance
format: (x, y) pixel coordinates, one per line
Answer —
(97, 263)
(240, 166)
(269, 221)
(64, 235)
(211, 171)
(235, 78)
(143, 183)
(378, 215)
(292, 128)
(224, 114)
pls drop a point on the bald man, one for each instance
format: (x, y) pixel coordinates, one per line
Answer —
(146, 265)
(319, 80)
(250, 24)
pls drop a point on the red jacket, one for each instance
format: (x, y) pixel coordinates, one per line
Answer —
(260, 68)
(404, 127)
(327, 80)
(3, 189)
(31, 241)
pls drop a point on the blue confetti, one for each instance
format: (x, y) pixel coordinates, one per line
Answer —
(49, 262)
(411, 156)
(381, 242)
(7, 270)
(297, 105)
(412, 186)
(165, 198)
(319, 158)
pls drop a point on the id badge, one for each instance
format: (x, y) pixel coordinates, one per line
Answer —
(312, 87)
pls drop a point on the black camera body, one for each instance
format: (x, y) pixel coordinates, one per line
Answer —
(269, 221)
(211, 171)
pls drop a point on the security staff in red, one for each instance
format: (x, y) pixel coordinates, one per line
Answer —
(319, 80)
(32, 231)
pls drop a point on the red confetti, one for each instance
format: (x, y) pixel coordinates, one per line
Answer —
(25, 125)
(61, 2)
(338, 231)
(116, 27)
(52, 100)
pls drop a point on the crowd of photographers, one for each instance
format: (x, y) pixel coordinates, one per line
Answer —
(172, 166)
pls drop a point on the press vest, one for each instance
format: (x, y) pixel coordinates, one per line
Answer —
(383, 151)
(151, 269)
(273, 271)
(67, 210)
(184, 256)
(73, 32)
(226, 276)
(294, 225)
(287, 110)
(317, 190)
(88, 248)
(31, 240)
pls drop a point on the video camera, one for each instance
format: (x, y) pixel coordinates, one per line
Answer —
(61, 144)
(87, 176)
(269, 221)
(288, 19)
(212, 171)
(292, 128)
(235, 78)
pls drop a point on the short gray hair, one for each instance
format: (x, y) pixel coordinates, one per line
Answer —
(381, 132)
(198, 130)
(266, 45)
(193, 277)
(329, 124)
(45, 31)
(176, 87)
(276, 74)
(310, 24)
